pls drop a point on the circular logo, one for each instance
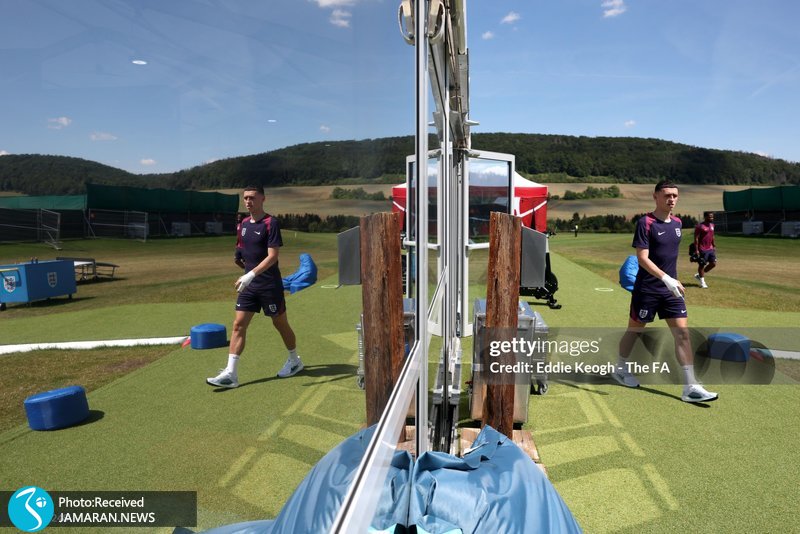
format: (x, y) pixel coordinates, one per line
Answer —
(30, 509)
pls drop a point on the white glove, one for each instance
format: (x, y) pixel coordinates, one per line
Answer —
(673, 285)
(244, 281)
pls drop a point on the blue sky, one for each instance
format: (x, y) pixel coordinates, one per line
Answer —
(157, 86)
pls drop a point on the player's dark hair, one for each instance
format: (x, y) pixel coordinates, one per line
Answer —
(665, 184)
(707, 213)
(259, 188)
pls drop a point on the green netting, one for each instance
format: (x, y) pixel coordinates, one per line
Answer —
(791, 197)
(767, 199)
(785, 197)
(49, 202)
(737, 200)
(158, 200)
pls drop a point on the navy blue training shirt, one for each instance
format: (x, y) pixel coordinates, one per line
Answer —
(256, 238)
(662, 240)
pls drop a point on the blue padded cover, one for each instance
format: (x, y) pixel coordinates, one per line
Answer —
(495, 488)
(304, 276)
(628, 272)
(316, 501)
(56, 409)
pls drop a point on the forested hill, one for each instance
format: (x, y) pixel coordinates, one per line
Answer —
(550, 158)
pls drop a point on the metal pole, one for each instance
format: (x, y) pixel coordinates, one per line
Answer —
(421, 177)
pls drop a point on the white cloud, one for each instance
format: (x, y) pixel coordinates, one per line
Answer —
(758, 152)
(487, 35)
(630, 123)
(613, 8)
(324, 128)
(58, 123)
(510, 18)
(148, 161)
(5, 153)
(334, 3)
(102, 136)
(341, 18)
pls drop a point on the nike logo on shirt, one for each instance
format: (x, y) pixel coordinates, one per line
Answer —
(659, 233)
(257, 233)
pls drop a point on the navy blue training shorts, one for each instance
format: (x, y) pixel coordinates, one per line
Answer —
(270, 300)
(644, 307)
(708, 256)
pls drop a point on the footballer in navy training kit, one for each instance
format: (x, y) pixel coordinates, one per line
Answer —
(657, 291)
(260, 288)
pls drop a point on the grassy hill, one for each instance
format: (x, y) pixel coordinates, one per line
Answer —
(546, 158)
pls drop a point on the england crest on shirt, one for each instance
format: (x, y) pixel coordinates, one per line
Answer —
(243, 230)
(678, 232)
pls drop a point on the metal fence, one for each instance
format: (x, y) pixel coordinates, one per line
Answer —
(30, 225)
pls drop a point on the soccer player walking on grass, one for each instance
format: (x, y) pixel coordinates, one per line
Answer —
(657, 290)
(705, 247)
(260, 288)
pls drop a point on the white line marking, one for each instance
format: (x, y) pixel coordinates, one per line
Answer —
(27, 347)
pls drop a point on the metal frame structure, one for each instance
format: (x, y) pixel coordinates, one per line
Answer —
(437, 29)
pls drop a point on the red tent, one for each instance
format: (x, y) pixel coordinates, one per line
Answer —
(530, 200)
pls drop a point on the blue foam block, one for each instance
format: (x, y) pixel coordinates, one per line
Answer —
(209, 336)
(56, 409)
(729, 347)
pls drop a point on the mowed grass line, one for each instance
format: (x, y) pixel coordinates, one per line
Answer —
(317, 200)
(246, 450)
(639, 460)
(24, 374)
(162, 288)
(243, 450)
(636, 198)
(752, 273)
(162, 270)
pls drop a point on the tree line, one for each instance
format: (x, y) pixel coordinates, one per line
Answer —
(607, 223)
(546, 158)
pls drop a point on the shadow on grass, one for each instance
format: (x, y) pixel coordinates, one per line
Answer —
(334, 372)
(596, 379)
(94, 416)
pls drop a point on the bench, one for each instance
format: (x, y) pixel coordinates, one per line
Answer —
(86, 268)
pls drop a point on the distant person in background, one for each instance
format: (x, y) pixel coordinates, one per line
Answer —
(705, 247)
(657, 291)
(576, 230)
(260, 288)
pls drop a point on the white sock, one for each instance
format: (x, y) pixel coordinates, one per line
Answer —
(233, 363)
(688, 375)
(622, 365)
(293, 355)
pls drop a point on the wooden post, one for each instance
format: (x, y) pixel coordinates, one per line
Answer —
(382, 299)
(502, 303)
